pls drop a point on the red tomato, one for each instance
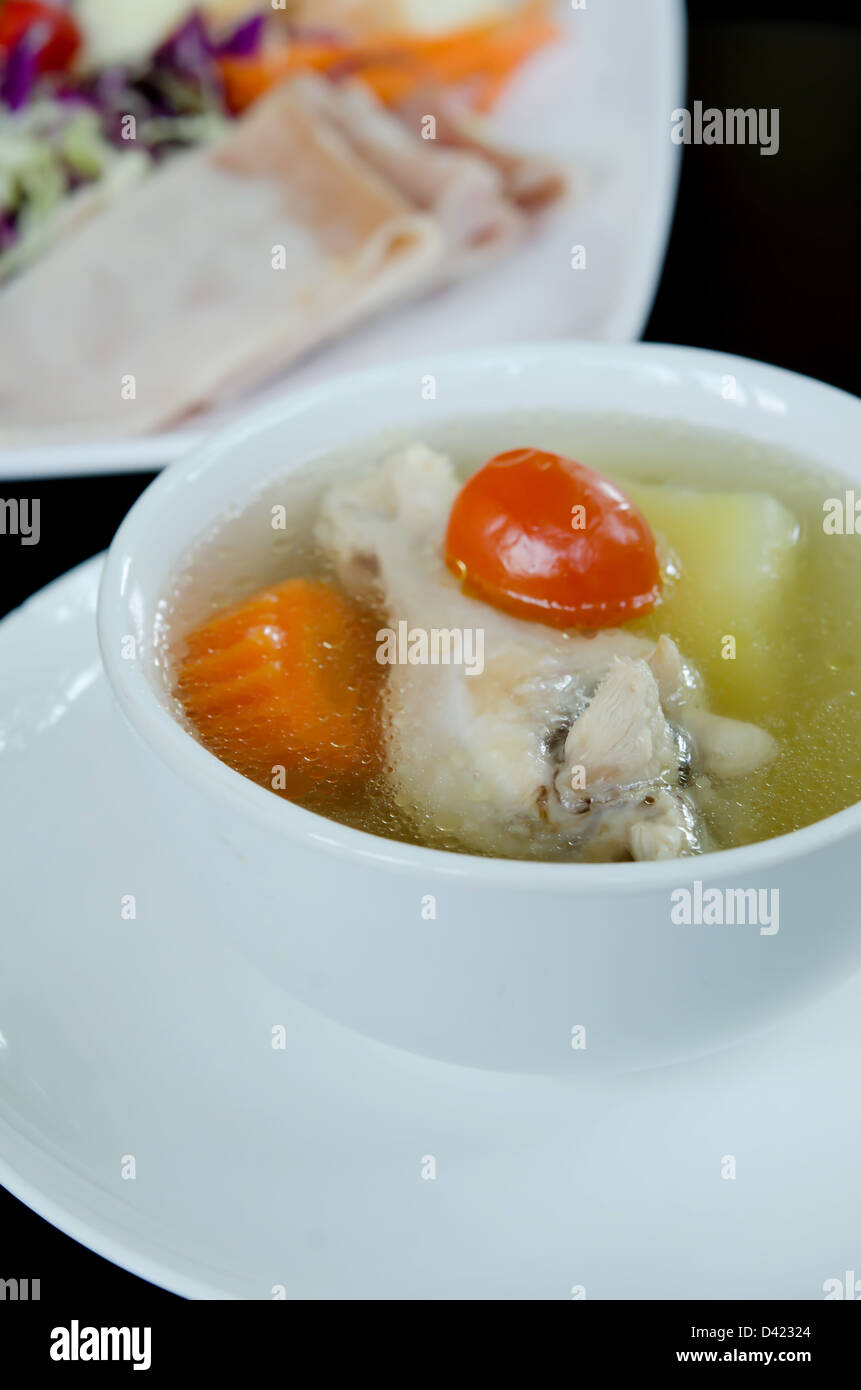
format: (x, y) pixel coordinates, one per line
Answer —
(55, 34)
(546, 538)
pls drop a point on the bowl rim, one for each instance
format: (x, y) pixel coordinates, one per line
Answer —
(220, 784)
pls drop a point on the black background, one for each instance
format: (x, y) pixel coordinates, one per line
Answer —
(762, 262)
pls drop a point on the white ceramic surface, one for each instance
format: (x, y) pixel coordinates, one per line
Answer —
(302, 1166)
(600, 100)
(518, 954)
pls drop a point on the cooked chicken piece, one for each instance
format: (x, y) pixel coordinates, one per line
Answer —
(728, 748)
(678, 684)
(665, 830)
(622, 736)
(561, 744)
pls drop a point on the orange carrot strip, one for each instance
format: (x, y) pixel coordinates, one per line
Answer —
(395, 65)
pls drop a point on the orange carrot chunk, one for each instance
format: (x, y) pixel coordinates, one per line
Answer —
(284, 687)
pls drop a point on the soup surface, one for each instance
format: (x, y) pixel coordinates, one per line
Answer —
(762, 602)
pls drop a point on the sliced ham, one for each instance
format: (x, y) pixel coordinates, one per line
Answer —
(466, 193)
(169, 301)
(529, 181)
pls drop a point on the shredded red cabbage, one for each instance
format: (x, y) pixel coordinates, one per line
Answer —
(245, 40)
(182, 78)
(8, 230)
(164, 85)
(19, 74)
(189, 50)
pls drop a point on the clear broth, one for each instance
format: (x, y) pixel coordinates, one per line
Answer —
(812, 706)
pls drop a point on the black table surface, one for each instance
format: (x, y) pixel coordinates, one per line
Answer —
(761, 262)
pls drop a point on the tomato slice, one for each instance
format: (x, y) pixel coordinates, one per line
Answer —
(545, 538)
(55, 35)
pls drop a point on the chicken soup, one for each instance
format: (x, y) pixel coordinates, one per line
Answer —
(535, 638)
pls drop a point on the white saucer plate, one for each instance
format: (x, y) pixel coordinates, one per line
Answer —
(332, 1167)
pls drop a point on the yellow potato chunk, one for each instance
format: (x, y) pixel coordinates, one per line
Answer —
(730, 567)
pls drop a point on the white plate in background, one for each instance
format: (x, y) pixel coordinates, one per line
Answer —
(600, 100)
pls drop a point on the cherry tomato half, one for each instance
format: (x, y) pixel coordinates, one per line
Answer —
(545, 538)
(55, 34)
